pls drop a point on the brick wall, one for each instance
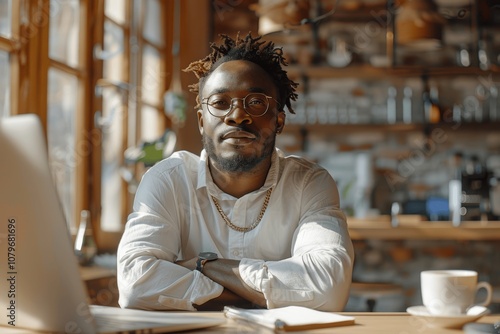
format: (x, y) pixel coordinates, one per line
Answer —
(400, 262)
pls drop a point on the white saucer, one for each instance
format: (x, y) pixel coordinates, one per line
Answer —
(447, 321)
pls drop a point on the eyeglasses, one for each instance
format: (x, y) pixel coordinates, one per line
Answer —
(221, 105)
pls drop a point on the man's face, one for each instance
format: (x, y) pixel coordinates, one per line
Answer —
(239, 142)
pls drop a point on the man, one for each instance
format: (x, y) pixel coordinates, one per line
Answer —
(242, 224)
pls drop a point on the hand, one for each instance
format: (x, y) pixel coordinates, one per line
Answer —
(226, 298)
(226, 273)
(236, 292)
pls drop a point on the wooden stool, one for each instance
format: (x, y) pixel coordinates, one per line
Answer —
(374, 291)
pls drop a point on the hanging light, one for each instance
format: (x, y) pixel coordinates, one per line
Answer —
(419, 24)
(279, 15)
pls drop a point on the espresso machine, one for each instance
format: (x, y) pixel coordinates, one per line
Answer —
(476, 181)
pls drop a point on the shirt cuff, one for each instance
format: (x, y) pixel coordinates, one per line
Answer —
(204, 289)
(254, 273)
(201, 290)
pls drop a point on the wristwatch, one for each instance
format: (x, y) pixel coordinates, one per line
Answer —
(203, 258)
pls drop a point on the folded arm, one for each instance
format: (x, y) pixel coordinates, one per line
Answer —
(148, 277)
(318, 275)
(236, 291)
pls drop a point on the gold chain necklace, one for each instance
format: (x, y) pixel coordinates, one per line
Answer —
(251, 227)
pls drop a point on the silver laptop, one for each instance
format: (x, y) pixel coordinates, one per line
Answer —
(41, 288)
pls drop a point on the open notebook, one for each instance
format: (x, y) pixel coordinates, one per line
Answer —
(41, 287)
(289, 318)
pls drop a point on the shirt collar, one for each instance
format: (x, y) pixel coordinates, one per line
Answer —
(202, 170)
(205, 178)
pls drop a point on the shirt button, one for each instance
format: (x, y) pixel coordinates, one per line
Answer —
(236, 253)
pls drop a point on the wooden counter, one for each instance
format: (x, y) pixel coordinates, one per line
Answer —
(366, 323)
(412, 228)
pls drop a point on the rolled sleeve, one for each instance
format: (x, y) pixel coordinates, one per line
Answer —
(148, 277)
(148, 280)
(317, 275)
(200, 289)
(277, 292)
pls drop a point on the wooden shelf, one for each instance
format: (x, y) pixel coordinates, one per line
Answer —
(339, 128)
(349, 128)
(380, 228)
(359, 13)
(366, 71)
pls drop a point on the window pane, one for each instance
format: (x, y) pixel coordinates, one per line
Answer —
(152, 26)
(5, 18)
(150, 124)
(4, 84)
(112, 157)
(63, 156)
(113, 52)
(64, 31)
(151, 75)
(115, 10)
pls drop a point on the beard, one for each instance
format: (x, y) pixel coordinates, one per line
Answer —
(237, 162)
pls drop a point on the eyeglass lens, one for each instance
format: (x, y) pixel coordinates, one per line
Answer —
(255, 104)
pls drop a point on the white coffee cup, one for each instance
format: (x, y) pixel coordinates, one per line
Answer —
(451, 292)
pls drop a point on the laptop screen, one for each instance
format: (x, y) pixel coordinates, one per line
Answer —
(44, 290)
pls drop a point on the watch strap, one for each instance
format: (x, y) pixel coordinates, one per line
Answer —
(200, 263)
(203, 258)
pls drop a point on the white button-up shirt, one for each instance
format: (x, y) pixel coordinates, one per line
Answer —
(299, 254)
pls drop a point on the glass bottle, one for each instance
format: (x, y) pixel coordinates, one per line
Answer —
(455, 190)
(432, 111)
(85, 247)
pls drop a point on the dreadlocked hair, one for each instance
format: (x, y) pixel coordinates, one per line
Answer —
(251, 49)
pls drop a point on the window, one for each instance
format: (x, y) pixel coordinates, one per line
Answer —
(61, 136)
(67, 82)
(113, 117)
(4, 84)
(6, 43)
(94, 71)
(6, 18)
(131, 89)
(10, 47)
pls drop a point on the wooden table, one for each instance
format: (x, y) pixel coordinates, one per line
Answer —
(366, 323)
